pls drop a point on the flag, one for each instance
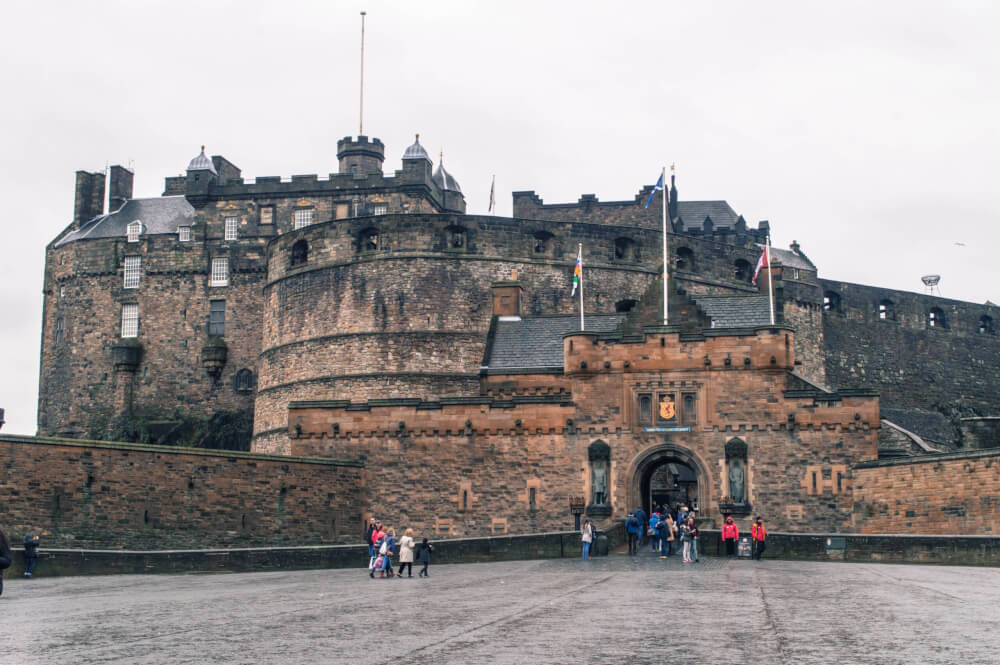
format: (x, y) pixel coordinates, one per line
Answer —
(492, 197)
(658, 187)
(762, 262)
(577, 272)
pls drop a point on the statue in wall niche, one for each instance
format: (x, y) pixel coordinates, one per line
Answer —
(600, 482)
(736, 481)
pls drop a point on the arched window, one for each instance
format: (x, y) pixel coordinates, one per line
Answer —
(645, 409)
(936, 318)
(244, 381)
(543, 242)
(625, 305)
(886, 310)
(61, 327)
(300, 253)
(985, 325)
(133, 231)
(626, 250)
(831, 302)
(685, 259)
(742, 270)
(455, 237)
(368, 240)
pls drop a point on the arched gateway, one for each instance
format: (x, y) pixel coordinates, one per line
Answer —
(666, 473)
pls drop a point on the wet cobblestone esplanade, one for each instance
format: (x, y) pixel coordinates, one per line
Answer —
(611, 610)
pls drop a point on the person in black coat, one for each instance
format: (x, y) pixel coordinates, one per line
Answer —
(424, 556)
(5, 558)
(30, 554)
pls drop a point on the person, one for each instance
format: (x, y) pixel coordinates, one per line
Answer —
(654, 537)
(662, 532)
(6, 558)
(640, 515)
(30, 554)
(682, 517)
(730, 535)
(369, 530)
(406, 553)
(693, 526)
(759, 534)
(587, 536)
(672, 535)
(389, 545)
(378, 537)
(685, 542)
(632, 526)
(424, 557)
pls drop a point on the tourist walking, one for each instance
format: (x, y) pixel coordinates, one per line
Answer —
(6, 558)
(640, 515)
(406, 553)
(662, 532)
(587, 536)
(30, 554)
(693, 529)
(672, 535)
(759, 535)
(652, 532)
(424, 557)
(389, 545)
(369, 530)
(730, 535)
(632, 527)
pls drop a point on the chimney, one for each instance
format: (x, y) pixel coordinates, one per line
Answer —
(507, 298)
(89, 199)
(119, 187)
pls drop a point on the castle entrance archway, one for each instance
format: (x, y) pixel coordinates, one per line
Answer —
(668, 474)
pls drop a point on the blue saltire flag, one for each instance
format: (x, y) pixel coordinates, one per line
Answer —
(658, 187)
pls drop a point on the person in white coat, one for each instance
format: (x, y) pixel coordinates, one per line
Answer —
(406, 554)
(587, 535)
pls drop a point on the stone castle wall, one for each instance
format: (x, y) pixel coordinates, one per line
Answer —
(99, 495)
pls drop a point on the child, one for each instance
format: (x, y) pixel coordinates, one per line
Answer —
(424, 557)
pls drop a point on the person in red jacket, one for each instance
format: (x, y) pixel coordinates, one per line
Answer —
(730, 536)
(759, 533)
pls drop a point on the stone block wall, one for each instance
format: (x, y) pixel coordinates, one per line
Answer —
(99, 495)
(953, 493)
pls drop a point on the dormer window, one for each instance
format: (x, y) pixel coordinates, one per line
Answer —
(134, 230)
(184, 233)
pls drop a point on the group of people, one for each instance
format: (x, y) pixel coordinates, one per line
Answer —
(758, 537)
(383, 546)
(7, 557)
(666, 528)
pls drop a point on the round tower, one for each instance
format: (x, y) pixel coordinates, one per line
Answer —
(360, 156)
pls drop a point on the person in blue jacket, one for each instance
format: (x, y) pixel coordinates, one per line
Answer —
(654, 537)
(632, 528)
(640, 515)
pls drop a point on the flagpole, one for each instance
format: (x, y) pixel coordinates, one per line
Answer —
(580, 254)
(666, 272)
(770, 281)
(361, 112)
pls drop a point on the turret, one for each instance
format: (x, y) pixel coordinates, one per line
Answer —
(360, 156)
(416, 162)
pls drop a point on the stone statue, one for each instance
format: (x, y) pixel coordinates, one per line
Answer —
(600, 484)
(736, 481)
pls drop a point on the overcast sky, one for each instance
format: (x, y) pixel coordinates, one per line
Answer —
(864, 130)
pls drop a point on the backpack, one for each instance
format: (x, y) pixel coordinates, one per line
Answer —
(632, 524)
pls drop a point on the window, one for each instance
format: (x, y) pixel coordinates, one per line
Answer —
(59, 330)
(267, 214)
(645, 409)
(935, 318)
(220, 272)
(625, 249)
(133, 271)
(243, 382)
(690, 412)
(985, 325)
(380, 209)
(831, 302)
(369, 240)
(230, 228)
(457, 237)
(184, 233)
(300, 253)
(130, 320)
(742, 272)
(216, 318)
(885, 310)
(134, 229)
(543, 242)
(685, 259)
(303, 218)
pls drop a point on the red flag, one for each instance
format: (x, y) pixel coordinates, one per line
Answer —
(762, 262)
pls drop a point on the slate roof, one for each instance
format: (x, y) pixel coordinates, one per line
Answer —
(790, 259)
(201, 162)
(159, 216)
(736, 311)
(536, 342)
(445, 180)
(693, 213)
(416, 151)
(929, 425)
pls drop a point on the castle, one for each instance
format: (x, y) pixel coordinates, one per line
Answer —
(367, 316)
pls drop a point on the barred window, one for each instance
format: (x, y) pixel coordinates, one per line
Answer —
(267, 215)
(134, 229)
(303, 218)
(230, 228)
(184, 233)
(220, 272)
(133, 271)
(216, 318)
(130, 320)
